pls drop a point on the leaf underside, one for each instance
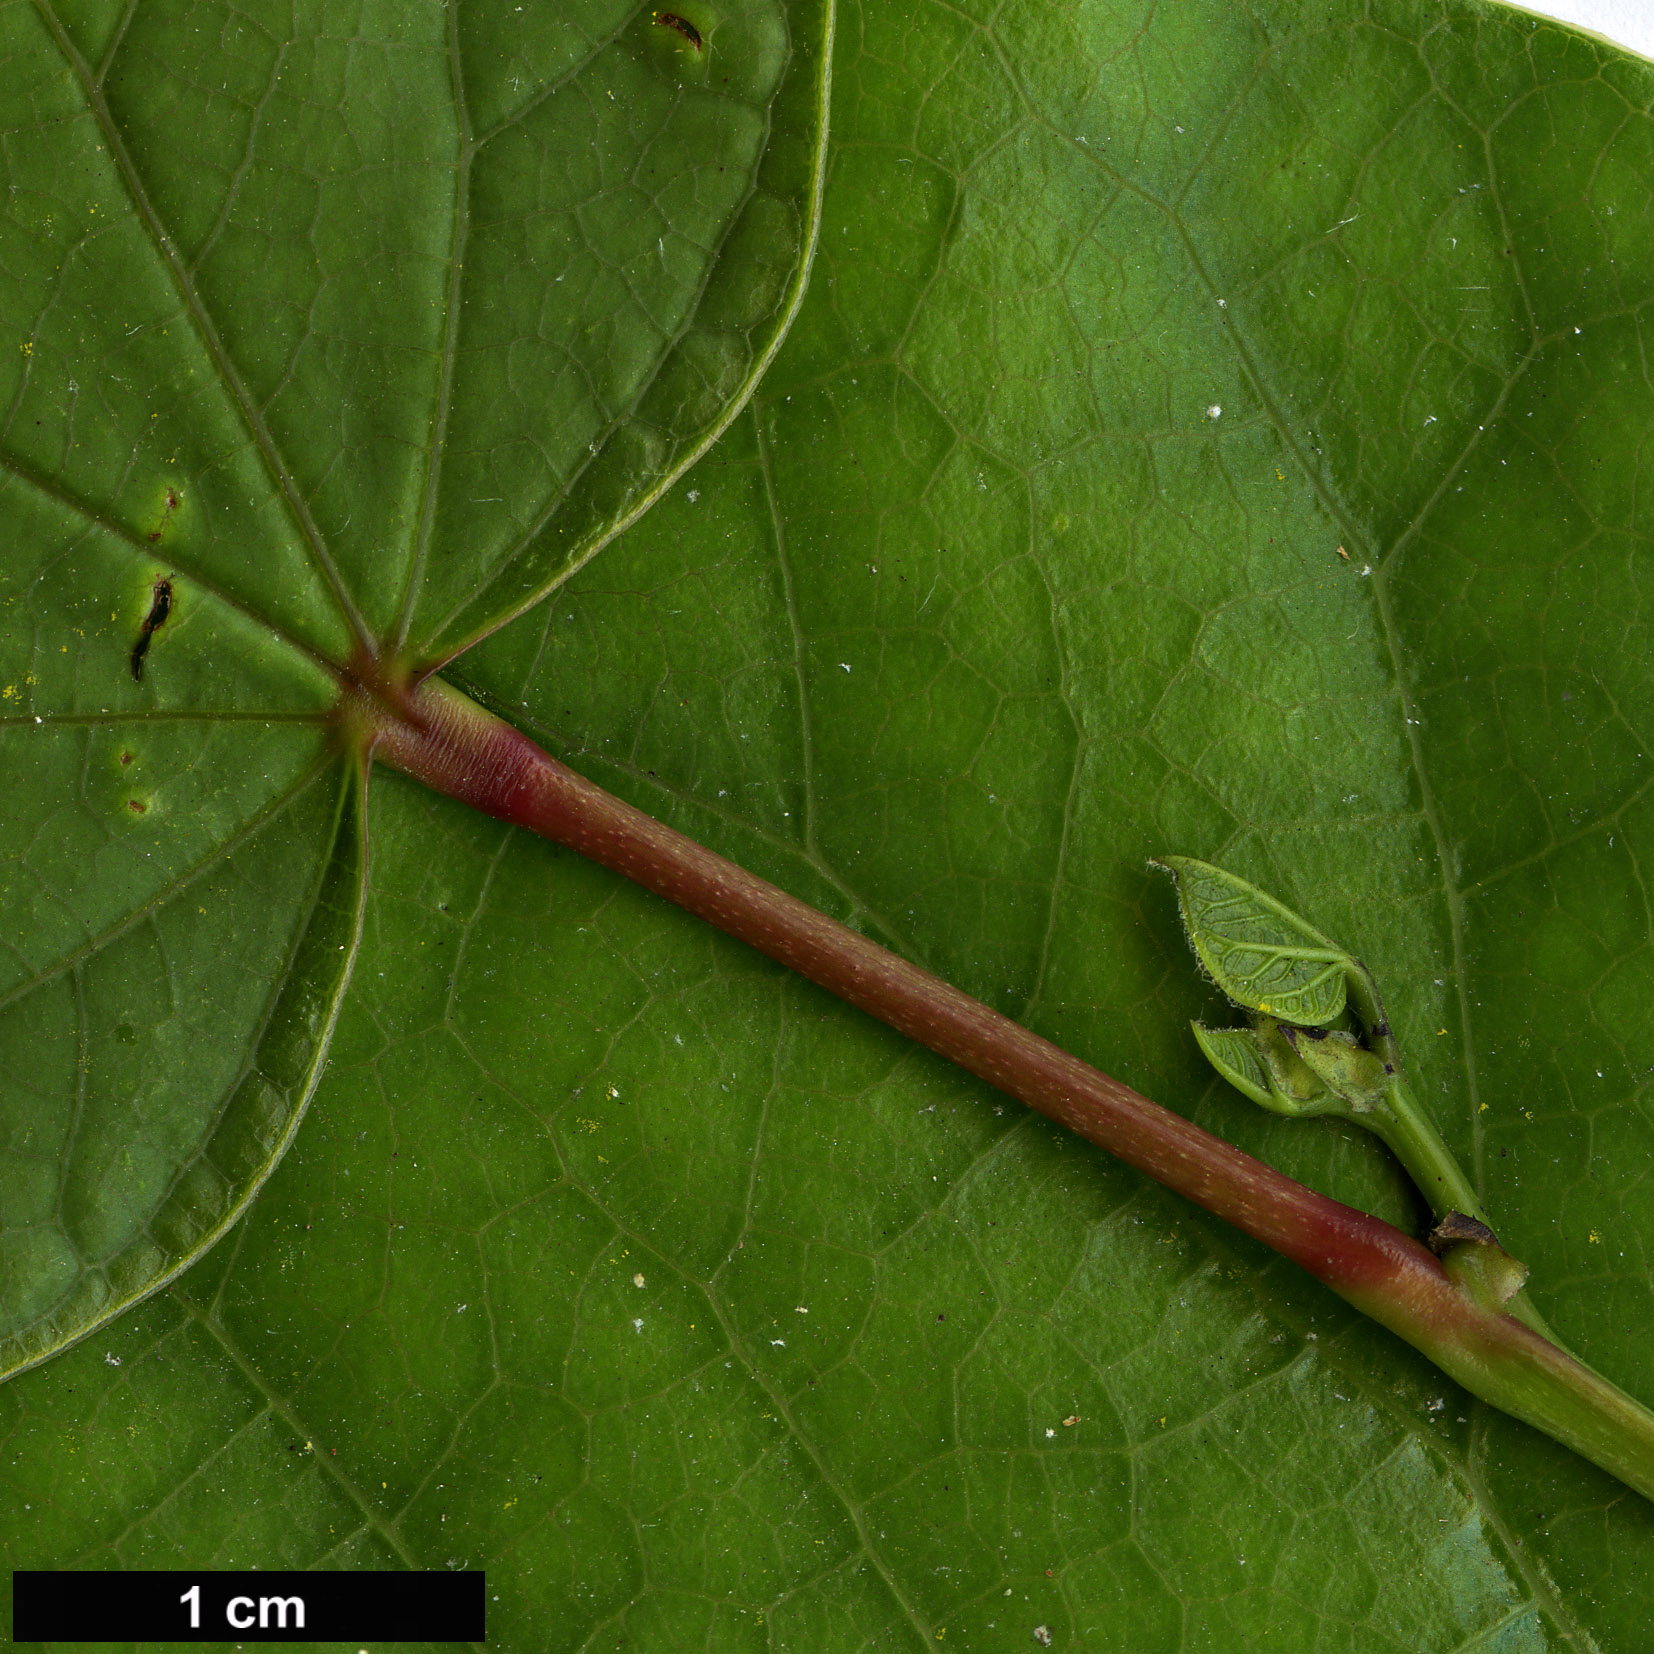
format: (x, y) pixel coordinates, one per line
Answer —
(529, 288)
(1262, 955)
(697, 1310)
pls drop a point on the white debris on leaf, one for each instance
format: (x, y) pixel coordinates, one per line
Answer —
(1215, 411)
(637, 1280)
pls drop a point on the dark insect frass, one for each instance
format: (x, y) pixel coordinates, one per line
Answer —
(159, 609)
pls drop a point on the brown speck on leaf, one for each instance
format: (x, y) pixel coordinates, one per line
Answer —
(1344, 554)
(680, 26)
(136, 806)
(1071, 1420)
(171, 506)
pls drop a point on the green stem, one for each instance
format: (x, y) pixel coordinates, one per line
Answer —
(447, 741)
(1417, 1144)
(1402, 1123)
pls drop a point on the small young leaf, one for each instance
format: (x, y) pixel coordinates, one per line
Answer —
(1233, 1052)
(1259, 952)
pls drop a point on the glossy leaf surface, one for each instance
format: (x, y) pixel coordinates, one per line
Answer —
(704, 1313)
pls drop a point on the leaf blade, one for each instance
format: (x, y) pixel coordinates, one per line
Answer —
(1256, 949)
(194, 1179)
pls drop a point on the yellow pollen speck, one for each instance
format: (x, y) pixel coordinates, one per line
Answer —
(1594, 1238)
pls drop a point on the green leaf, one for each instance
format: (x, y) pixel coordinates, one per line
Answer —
(311, 335)
(1235, 1054)
(1259, 952)
(979, 607)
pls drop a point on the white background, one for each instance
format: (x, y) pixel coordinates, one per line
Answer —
(1630, 22)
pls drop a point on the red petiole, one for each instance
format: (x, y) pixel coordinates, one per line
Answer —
(446, 740)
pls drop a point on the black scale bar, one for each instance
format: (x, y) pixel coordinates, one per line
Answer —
(189, 1605)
